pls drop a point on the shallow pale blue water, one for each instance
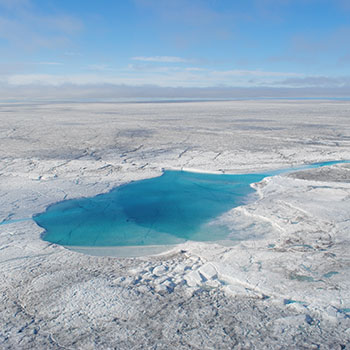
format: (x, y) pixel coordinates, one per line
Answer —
(169, 209)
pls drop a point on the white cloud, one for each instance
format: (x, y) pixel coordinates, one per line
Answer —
(56, 80)
(51, 63)
(99, 67)
(164, 59)
(195, 69)
(22, 26)
(255, 73)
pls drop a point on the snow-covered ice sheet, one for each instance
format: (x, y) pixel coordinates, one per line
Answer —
(285, 287)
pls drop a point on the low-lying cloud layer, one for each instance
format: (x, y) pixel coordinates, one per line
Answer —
(112, 91)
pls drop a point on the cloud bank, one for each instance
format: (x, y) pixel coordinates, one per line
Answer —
(69, 91)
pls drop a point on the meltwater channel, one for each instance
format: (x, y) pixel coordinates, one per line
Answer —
(170, 209)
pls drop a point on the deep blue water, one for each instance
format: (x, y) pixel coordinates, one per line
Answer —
(169, 209)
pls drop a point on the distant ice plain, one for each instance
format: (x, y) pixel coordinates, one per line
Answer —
(286, 287)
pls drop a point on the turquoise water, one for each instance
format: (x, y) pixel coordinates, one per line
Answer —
(172, 208)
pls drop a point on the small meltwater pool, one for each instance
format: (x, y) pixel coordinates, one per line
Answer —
(170, 209)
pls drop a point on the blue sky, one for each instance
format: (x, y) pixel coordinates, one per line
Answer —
(175, 43)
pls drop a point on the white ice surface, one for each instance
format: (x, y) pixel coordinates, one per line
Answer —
(287, 286)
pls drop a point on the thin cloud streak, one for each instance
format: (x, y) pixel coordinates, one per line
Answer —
(99, 67)
(319, 81)
(257, 73)
(160, 59)
(51, 63)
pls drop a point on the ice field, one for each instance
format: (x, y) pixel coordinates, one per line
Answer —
(286, 287)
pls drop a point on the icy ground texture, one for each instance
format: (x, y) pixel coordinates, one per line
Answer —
(286, 288)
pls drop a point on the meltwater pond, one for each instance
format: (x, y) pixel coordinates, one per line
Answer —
(170, 209)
